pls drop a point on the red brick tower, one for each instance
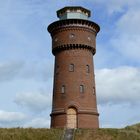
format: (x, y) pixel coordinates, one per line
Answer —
(73, 45)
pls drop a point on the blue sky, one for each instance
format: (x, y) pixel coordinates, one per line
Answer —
(26, 61)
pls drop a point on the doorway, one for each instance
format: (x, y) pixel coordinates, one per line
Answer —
(71, 118)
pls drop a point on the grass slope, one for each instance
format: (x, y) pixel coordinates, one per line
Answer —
(30, 134)
(127, 133)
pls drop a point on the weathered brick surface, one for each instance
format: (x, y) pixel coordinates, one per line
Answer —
(80, 55)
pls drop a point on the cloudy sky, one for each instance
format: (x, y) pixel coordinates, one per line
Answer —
(26, 62)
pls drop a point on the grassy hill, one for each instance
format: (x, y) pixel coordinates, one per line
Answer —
(127, 133)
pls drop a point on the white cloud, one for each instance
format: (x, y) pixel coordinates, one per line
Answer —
(38, 70)
(20, 70)
(119, 5)
(118, 85)
(38, 123)
(128, 46)
(118, 115)
(18, 119)
(127, 35)
(6, 116)
(9, 70)
(36, 101)
(129, 22)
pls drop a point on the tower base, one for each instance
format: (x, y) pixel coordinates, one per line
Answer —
(78, 120)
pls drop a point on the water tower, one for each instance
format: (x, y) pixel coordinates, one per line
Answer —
(74, 92)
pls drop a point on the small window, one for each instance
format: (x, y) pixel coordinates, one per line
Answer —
(56, 39)
(71, 36)
(94, 90)
(71, 67)
(87, 69)
(63, 89)
(57, 69)
(89, 38)
(81, 89)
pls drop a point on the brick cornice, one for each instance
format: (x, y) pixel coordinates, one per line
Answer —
(75, 24)
(73, 46)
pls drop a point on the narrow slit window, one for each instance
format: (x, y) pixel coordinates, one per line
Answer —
(63, 89)
(71, 67)
(81, 89)
(57, 69)
(94, 90)
(87, 69)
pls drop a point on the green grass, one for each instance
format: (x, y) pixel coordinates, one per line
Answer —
(127, 133)
(30, 134)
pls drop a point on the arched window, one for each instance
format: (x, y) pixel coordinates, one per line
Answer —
(81, 89)
(71, 67)
(63, 89)
(87, 69)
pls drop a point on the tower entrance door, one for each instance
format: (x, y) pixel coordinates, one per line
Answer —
(71, 118)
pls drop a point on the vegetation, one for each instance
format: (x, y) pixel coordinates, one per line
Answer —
(30, 134)
(127, 133)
